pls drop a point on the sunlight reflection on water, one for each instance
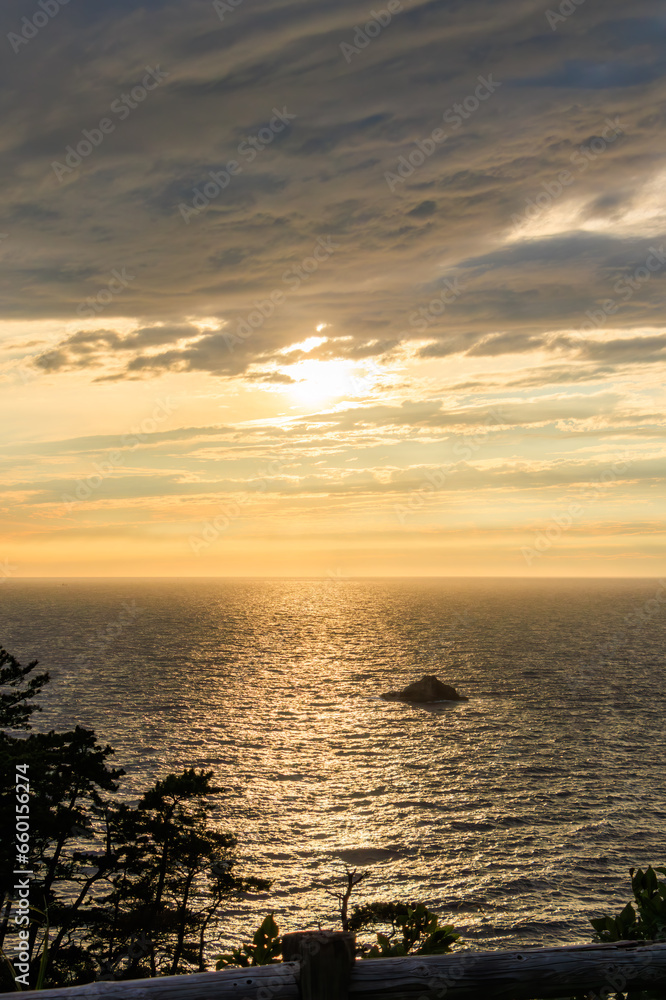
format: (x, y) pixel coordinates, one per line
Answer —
(520, 810)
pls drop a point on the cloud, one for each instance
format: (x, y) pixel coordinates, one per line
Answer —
(90, 348)
(324, 174)
(515, 367)
(455, 476)
(626, 350)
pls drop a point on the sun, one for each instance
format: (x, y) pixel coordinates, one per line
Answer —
(320, 382)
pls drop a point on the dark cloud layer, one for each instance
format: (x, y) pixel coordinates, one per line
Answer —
(323, 175)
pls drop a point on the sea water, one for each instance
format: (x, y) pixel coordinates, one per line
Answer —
(515, 815)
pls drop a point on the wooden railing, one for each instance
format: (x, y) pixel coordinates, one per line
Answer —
(320, 965)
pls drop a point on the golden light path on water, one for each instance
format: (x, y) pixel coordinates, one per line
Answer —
(517, 813)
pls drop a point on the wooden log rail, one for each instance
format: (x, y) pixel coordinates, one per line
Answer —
(320, 966)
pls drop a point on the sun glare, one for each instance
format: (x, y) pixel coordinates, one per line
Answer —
(321, 382)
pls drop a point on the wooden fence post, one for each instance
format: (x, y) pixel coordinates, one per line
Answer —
(326, 960)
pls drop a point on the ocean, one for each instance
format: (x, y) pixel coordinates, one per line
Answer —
(516, 815)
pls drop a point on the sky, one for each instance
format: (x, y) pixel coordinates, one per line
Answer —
(305, 288)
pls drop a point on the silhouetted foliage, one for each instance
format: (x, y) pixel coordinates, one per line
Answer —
(265, 949)
(172, 874)
(66, 772)
(122, 891)
(15, 701)
(411, 929)
(117, 891)
(645, 923)
(408, 929)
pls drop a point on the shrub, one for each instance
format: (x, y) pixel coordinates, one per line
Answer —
(649, 923)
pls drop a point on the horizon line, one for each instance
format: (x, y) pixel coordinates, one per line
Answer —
(331, 577)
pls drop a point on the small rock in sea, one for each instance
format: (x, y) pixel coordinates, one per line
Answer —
(429, 688)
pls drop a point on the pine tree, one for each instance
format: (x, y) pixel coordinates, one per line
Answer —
(15, 707)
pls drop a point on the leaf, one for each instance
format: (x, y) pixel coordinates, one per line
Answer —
(41, 975)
